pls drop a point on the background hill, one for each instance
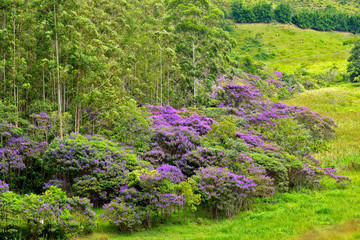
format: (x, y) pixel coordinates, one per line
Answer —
(289, 48)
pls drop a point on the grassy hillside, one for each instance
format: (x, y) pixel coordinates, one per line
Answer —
(290, 48)
(341, 103)
(331, 212)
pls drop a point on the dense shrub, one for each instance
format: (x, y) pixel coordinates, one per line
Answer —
(223, 192)
(4, 187)
(175, 141)
(201, 157)
(51, 215)
(125, 217)
(90, 166)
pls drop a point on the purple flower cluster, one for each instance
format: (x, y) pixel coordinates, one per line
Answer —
(170, 173)
(235, 95)
(126, 217)
(175, 141)
(201, 157)
(90, 166)
(224, 190)
(167, 116)
(250, 139)
(4, 187)
(329, 171)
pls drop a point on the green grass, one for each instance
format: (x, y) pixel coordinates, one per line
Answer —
(329, 213)
(284, 216)
(289, 48)
(342, 104)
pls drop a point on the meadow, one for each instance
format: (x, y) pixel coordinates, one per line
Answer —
(328, 212)
(289, 48)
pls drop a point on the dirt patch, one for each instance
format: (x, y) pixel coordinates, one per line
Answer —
(337, 232)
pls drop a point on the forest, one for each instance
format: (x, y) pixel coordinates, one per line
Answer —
(139, 114)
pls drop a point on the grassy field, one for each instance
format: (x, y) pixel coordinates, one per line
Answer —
(342, 104)
(331, 212)
(289, 48)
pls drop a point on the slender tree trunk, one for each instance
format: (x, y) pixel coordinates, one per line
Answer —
(58, 74)
(4, 27)
(161, 80)
(14, 67)
(43, 81)
(193, 62)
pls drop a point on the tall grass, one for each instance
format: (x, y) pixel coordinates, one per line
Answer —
(342, 104)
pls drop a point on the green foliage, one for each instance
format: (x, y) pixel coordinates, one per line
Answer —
(354, 64)
(275, 169)
(188, 189)
(283, 13)
(222, 131)
(51, 215)
(127, 123)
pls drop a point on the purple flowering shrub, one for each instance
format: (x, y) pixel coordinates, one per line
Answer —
(237, 95)
(4, 187)
(222, 191)
(168, 116)
(155, 193)
(21, 165)
(90, 166)
(201, 157)
(155, 156)
(51, 214)
(126, 217)
(242, 164)
(175, 141)
(41, 128)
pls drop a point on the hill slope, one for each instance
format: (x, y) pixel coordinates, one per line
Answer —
(289, 48)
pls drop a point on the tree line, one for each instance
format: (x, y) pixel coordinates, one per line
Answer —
(78, 57)
(328, 19)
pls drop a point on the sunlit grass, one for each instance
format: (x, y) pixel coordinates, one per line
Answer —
(293, 47)
(328, 213)
(342, 104)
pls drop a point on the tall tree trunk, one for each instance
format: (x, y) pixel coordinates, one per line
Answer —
(161, 80)
(43, 81)
(58, 75)
(14, 60)
(4, 27)
(193, 62)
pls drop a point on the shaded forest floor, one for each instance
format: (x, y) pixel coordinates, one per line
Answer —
(329, 212)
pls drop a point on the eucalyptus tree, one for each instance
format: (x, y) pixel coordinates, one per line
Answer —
(199, 35)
